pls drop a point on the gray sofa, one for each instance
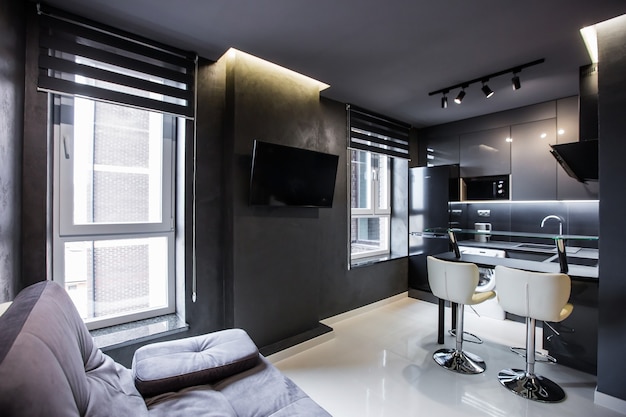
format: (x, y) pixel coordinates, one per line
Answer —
(49, 366)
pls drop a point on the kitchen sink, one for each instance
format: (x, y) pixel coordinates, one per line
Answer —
(528, 256)
(546, 247)
(536, 246)
(574, 260)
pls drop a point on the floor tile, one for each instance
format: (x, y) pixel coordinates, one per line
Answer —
(379, 363)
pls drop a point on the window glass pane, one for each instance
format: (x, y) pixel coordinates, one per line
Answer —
(369, 234)
(111, 277)
(360, 179)
(383, 170)
(117, 164)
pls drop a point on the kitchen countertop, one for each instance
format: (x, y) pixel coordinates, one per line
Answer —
(550, 264)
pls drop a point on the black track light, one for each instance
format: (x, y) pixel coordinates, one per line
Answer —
(488, 91)
(459, 97)
(515, 82)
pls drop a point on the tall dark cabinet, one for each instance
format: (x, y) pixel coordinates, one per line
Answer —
(430, 189)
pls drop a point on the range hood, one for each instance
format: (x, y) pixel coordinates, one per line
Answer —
(580, 159)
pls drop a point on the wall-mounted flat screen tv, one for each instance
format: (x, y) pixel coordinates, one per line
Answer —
(288, 176)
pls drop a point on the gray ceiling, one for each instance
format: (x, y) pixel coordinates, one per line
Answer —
(385, 56)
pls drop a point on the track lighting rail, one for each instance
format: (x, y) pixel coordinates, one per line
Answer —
(516, 69)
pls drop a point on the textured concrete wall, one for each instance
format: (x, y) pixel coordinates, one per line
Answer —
(612, 102)
(12, 24)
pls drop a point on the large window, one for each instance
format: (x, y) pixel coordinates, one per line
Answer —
(119, 104)
(373, 142)
(113, 209)
(370, 204)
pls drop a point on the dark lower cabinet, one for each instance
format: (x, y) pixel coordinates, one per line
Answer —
(576, 345)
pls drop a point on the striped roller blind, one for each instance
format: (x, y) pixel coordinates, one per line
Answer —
(80, 57)
(375, 133)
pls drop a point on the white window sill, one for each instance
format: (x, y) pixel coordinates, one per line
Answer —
(126, 334)
(360, 262)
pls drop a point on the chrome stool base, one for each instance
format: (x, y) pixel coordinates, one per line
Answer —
(460, 361)
(532, 387)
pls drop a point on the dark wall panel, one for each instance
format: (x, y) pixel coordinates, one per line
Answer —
(36, 166)
(207, 313)
(342, 289)
(275, 256)
(612, 102)
(12, 31)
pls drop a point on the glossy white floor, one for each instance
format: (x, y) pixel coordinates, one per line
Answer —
(379, 363)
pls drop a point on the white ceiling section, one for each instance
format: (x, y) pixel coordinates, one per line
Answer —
(385, 56)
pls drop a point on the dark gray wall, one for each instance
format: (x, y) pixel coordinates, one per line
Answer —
(12, 31)
(274, 272)
(612, 102)
(288, 266)
(275, 256)
(36, 166)
(342, 289)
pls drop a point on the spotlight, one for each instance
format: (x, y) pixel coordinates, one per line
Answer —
(444, 101)
(459, 97)
(488, 91)
(516, 82)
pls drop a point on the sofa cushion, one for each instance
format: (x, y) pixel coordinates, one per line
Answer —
(49, 365)
(177, 364)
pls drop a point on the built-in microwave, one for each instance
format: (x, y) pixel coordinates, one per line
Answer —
(486, 188)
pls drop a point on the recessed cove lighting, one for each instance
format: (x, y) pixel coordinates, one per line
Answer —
(590, 38)
(258, 63)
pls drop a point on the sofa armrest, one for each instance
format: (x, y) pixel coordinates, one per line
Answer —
(173, 365)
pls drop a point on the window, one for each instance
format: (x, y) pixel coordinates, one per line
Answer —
(113, 209)
(119, 105)
(370, 204)
(373, 142)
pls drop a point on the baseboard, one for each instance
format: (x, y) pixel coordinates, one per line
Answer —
(330, 321)
(299, 343)
(323, 333)
(607, 401)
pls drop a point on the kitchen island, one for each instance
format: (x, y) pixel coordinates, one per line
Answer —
(573, 342)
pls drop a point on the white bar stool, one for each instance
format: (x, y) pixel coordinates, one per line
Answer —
(457, 282)
(536, 296)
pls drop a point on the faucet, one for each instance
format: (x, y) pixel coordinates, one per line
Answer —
(555, 217)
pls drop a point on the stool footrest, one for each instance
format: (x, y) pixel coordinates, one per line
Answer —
(539, 357)
(473, 338)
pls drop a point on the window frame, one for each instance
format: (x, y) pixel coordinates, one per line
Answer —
(374, 211)
(65, 231)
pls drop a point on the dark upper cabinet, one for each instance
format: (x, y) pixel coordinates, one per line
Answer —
(443, 151)
(485, 153)
(535, 175)
(533, 168)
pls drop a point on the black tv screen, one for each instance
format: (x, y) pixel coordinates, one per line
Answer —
(287, 176)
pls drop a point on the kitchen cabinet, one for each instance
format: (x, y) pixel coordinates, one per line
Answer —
(443, 151)
(576, 344)
(481, 151)
(485, 153)
(533, 168)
